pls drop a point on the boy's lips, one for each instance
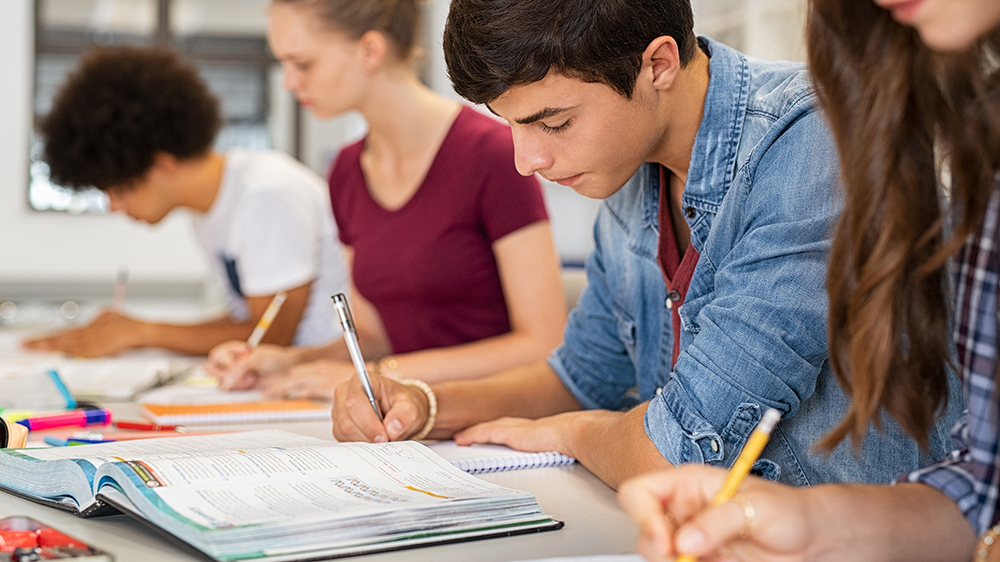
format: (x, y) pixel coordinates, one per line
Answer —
(567, 181)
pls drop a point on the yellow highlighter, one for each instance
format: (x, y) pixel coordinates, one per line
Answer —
(744, 462)
(265, 320)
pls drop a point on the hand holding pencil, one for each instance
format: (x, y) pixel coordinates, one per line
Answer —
(266, 320)
(689, 513)
(230, 362)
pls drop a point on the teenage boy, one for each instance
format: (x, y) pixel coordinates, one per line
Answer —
(705, 303)
(139, 125)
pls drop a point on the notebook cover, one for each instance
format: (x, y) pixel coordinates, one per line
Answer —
(236, 412)
(98, 509)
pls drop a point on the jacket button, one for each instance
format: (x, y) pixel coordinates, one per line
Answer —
(659, 390)
(672, 297)
(689, 212)
(715, 446)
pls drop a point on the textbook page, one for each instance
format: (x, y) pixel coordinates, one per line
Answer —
(117, 378)
(251, 487)
(177, 446)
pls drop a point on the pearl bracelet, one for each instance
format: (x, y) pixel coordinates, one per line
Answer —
(433, 405)
(986, 544)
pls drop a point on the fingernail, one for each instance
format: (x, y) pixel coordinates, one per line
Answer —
(395, 427)
(690, 540)
(380, 439)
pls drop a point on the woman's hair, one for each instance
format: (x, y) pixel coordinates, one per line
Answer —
(397, 20)
(901, 115)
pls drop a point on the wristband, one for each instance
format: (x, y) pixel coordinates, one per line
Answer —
(433, 405)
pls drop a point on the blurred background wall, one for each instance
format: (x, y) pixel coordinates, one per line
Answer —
(54, 245)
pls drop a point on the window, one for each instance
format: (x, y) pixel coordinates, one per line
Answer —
(224, 39)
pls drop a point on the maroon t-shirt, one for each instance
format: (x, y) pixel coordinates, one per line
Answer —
(429, 267)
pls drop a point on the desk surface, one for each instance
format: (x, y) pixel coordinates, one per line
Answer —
(594, 522)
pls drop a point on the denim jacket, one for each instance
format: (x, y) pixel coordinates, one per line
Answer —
(761, 200)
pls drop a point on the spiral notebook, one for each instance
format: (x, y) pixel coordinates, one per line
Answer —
(236, 412)
(478, 458)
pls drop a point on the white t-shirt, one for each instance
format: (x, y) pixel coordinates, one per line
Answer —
(271, 229)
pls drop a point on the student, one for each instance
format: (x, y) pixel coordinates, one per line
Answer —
(917, 82)
(455, 273)
(139, 124)
(705, 289)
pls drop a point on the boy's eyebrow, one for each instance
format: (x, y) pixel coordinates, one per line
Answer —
(543, 114)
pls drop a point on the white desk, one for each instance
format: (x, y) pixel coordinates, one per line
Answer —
(594, 522)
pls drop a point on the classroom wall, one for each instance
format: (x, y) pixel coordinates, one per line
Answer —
(55, 247)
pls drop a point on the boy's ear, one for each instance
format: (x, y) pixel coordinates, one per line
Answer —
(164, 162)
(663, 60)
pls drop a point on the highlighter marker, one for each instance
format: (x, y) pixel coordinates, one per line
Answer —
(72, 418)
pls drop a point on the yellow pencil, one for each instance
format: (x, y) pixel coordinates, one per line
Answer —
(744, 462)
(265, 320)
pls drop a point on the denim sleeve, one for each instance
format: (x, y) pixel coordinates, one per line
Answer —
(759, 338)
(592, 338)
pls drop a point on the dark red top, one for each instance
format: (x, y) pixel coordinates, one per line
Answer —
(428, 267)
(677, 271)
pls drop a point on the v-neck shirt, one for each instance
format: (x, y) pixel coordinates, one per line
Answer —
(428, 267)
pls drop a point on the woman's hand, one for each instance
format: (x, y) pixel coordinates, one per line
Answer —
(317, 379)
(405, 410)
(674, 513)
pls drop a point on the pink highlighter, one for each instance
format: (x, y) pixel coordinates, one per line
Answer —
(70, 418)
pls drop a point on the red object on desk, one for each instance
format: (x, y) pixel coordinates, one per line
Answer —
(145, 426)
(52, 537)
(9, 540)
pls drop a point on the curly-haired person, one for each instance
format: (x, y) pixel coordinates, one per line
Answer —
(139, 125)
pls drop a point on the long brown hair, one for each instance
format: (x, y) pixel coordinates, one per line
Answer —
(899, 114)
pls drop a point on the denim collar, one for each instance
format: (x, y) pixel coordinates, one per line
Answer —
(713, 156)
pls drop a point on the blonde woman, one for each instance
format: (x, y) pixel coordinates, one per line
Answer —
(453, 267)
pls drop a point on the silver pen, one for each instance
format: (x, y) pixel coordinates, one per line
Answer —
(351, 337)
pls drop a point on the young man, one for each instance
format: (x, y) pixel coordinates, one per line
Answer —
(705, 303)
(139, 125)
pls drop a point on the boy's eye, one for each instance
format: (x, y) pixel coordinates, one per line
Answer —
(555, 128)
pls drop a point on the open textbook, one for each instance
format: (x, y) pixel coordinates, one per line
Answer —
(276, 495)
(120, 378)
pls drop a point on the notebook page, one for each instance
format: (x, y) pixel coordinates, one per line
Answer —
(479, 458)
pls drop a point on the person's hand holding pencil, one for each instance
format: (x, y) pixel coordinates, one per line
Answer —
(694, 512)
(228, 362)
(265, 321)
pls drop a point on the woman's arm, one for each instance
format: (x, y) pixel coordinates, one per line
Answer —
(529, 276)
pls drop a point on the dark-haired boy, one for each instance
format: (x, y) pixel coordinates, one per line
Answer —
(706, 301)
(139, 125)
